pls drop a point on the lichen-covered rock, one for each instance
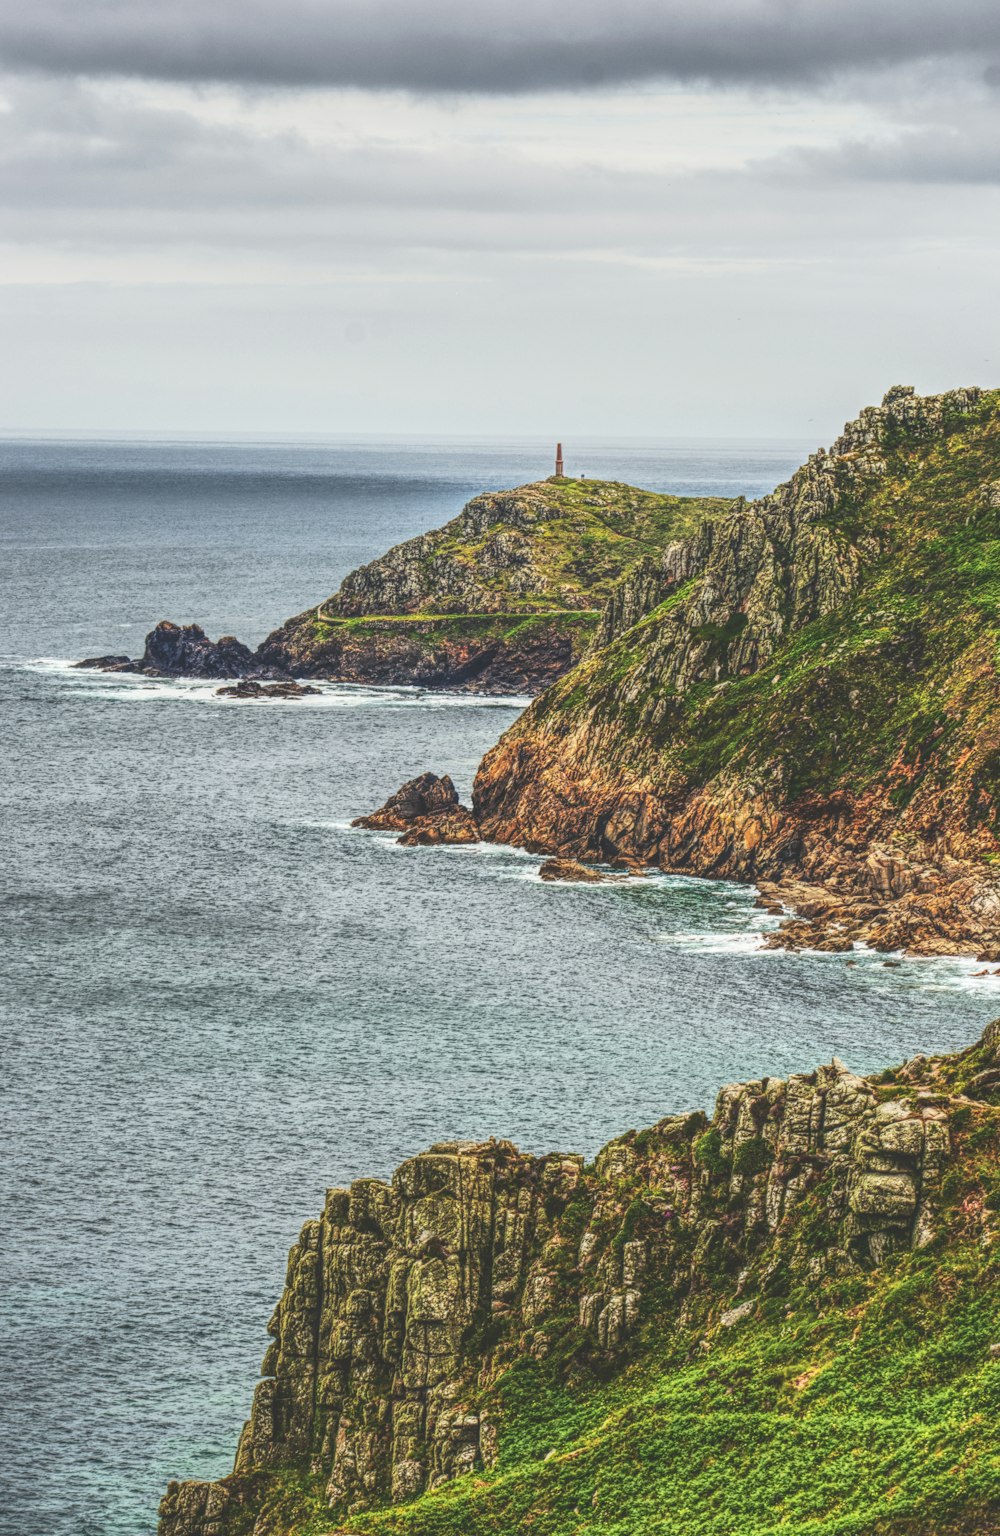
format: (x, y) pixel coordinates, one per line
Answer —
(406, 1302)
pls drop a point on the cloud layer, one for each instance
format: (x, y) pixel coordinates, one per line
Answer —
(455, 46)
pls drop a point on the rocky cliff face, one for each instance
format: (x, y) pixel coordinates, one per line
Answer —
(408, 1304)
(806, 689)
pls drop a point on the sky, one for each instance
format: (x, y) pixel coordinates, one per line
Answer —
(551, 217)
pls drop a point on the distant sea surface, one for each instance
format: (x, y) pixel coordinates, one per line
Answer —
(218, 1000)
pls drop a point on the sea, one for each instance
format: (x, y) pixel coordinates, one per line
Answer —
(218, 998)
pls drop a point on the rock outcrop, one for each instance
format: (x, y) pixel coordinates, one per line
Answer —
(250, 689)
(426, 810)
(407, 1302)
(805, 692)
(503, 599)
(184, 650)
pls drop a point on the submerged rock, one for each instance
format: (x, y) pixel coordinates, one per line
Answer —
(250, 689)
(108, 664)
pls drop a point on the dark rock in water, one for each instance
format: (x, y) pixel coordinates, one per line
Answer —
(108, 664)
(571, 869)
(249, 688)
(425, 810)
(184, 650)
(176, 650)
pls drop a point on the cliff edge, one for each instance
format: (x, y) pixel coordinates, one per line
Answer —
(782, 1318)
(503, 599)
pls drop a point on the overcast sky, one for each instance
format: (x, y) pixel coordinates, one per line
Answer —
(651, 217)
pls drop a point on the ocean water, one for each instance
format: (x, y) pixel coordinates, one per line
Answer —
(218, 999)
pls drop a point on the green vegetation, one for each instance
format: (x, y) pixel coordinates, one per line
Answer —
(869, 1419)
(818, 1373)
(433, 630)
(575, 536)
(856, 1406)
(545, 556)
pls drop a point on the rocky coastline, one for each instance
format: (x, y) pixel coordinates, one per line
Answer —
(504, 599)
(176, 650)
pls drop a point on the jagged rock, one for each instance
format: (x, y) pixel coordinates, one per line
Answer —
(174, 650)
(406, 1301)
(452, 826)
(427, 811)
(572, 869)
(426, 795)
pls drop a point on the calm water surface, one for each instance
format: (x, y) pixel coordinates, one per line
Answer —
(218, 1000)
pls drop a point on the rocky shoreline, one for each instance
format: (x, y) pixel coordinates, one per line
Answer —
(878, 900)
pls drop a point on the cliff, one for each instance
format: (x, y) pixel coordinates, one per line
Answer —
(502, 599)
(804, 694)
(784, 1318)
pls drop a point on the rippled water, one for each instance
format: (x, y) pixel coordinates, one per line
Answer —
(218, 999)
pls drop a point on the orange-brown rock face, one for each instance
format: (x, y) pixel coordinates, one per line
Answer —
(810, 695)
(426, 811)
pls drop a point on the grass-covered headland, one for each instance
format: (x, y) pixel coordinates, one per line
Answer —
(504, 597)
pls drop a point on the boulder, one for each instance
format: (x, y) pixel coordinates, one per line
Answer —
(457, 825)
(426, 795)
(427, 811)
(571, 869)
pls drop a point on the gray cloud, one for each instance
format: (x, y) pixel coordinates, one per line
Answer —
(453, 46)
(107, 171)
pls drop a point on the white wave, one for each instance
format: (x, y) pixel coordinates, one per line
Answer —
(718, 943)
(132, 688)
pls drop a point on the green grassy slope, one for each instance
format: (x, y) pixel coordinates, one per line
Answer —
(836, 656)
(861, 1406)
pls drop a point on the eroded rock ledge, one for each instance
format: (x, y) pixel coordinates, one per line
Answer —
(406, 1301)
